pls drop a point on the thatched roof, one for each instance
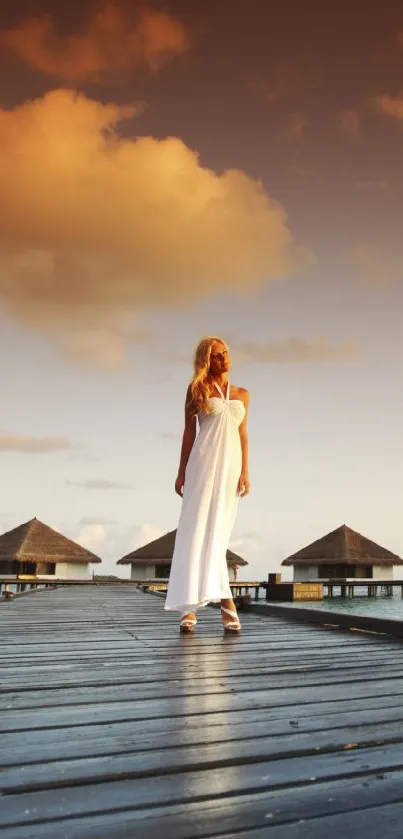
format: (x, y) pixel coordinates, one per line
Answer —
(343, 547)
(34, 541)
(162, 549)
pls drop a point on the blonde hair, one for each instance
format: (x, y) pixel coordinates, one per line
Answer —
(200, 385)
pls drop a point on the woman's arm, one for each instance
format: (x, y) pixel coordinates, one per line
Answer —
(243, 484)
(189, 436)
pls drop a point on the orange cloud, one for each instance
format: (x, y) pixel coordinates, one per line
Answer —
(114, 40)
(391, 106)
(28, 444)
(94, 227)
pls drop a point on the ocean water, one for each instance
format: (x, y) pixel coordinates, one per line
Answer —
(381, 606)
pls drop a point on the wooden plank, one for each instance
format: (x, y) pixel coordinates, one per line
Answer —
(371, 823)
(101, 684)
(22, 676)
(92, 739)
(199, 818)
(176, 687)
(46, 742)
(103, 674)
(225, 703)
(194, 785)
(52, 653)
(130, 761)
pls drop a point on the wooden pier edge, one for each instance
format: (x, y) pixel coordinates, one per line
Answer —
(338, 620)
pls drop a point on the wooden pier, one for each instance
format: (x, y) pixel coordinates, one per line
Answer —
(23, 584)
(114, 725)
(254, 589)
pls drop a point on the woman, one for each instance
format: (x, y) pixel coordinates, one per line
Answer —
(212, 475)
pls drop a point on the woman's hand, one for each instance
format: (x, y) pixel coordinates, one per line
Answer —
(243, 485)
(179, 484)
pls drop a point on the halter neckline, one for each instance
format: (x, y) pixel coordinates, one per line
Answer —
(226, 398)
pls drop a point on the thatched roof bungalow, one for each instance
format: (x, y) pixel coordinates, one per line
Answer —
(343, 553)
(35, 549)
(153, 561)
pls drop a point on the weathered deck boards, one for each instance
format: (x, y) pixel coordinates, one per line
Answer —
(114, 725)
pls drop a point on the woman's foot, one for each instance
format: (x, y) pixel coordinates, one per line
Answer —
(229, 616)
(188, 622)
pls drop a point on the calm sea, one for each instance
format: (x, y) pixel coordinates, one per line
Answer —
(361, 604)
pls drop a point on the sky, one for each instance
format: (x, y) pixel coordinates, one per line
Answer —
(175, 170)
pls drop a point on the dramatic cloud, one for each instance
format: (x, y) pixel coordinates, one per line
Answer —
(27, 444)
(99, 483)
(349, 124)
(378, 263)
(391, 106)
(94, 227)
(296, 350)
(114, 40)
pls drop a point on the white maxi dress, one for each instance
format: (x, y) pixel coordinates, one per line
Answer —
(199, 573)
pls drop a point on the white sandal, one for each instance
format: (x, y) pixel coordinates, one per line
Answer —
(187, 624)
(234, 625)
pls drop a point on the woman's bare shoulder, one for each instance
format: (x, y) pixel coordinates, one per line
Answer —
(239, 393)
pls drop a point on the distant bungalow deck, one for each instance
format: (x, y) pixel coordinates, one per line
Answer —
(114, 725)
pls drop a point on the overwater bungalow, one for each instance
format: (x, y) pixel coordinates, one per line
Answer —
(153, 560)
(33, 549)
(343, 553)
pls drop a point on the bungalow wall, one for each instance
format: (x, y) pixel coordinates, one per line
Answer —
(380, 572)
(70, 571)
(152, 571)
(304, 573)
(155, 570)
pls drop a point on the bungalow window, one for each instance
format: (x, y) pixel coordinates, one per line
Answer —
(342, 571)
(27, 568)
(46, 568)
(10, 567)
(363, 571)
(329, 571)
(163, 570)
